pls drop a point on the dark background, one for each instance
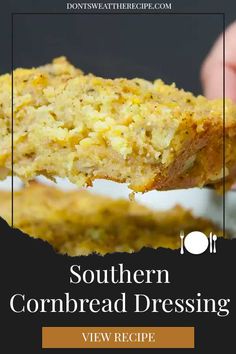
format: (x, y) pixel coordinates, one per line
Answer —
(34, 269)
(171, 47)
(168, 46)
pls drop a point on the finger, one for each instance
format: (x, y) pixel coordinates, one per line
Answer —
(212, 69)
(230, 83)
(213, 82)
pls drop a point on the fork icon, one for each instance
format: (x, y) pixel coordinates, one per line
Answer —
(182, 241)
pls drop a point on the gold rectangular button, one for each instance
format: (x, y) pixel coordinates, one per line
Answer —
(118, 337)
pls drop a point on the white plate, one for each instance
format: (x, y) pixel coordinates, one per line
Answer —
(196, 242)
(203, 202)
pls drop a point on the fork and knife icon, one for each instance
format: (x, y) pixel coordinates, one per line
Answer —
(197, 242)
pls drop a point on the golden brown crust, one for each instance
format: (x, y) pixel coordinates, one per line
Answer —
(82, 127)
(78, 222)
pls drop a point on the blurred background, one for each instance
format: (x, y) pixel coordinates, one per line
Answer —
(149, 46)
(171, 47)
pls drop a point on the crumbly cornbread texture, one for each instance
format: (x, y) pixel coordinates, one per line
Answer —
(148, 134)
(80, 223)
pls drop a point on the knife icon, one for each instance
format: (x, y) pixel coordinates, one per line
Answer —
(210, 242)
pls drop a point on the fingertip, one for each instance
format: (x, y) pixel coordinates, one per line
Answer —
(230, 84)
(212, 79)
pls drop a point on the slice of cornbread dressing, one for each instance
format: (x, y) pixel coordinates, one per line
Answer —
(150, 135)
(79, 223)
